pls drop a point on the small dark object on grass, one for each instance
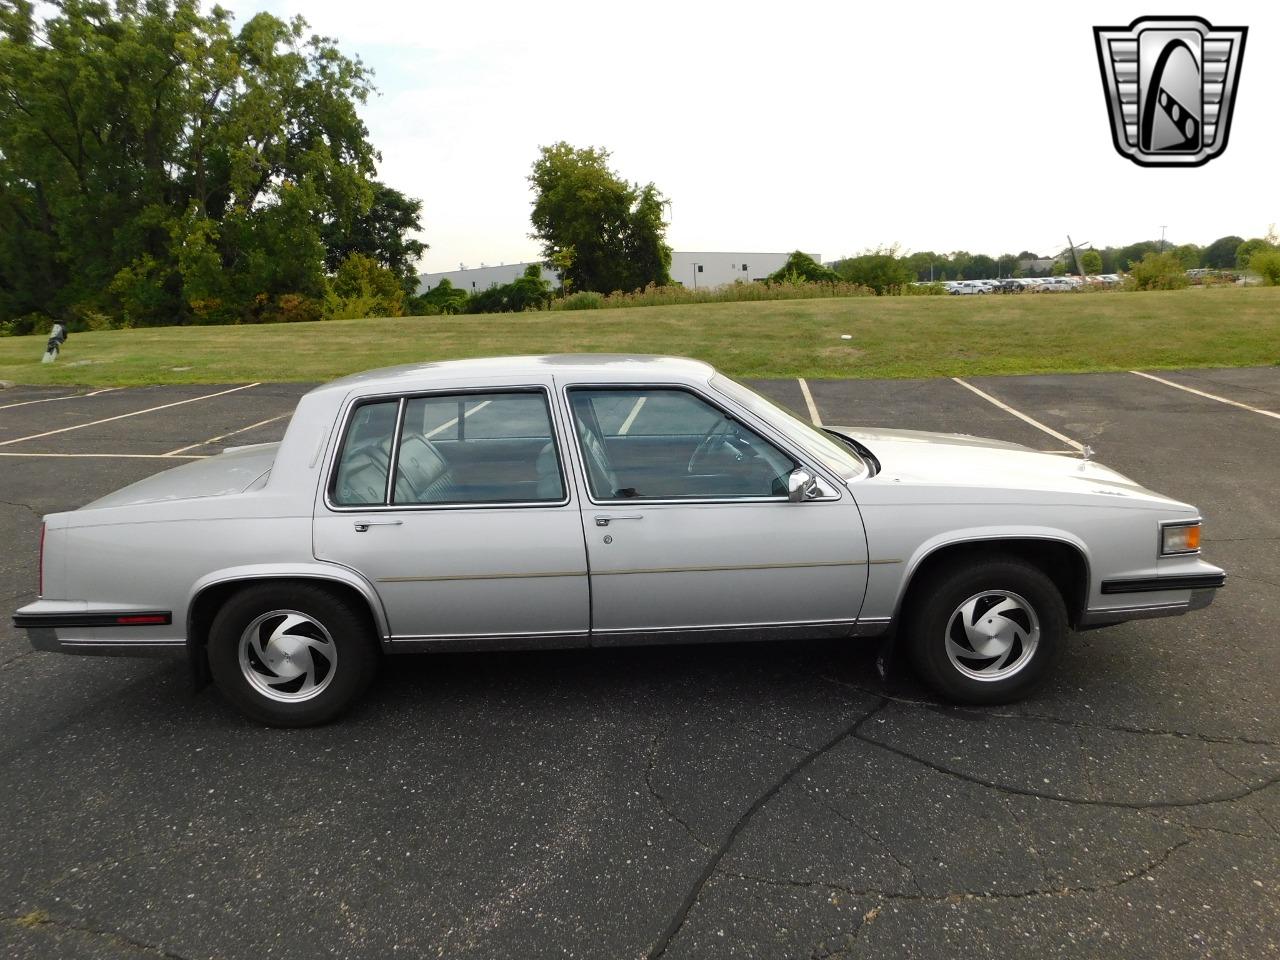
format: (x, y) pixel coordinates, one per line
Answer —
(56, 339)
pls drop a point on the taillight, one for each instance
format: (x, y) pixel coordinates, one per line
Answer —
(40, 593)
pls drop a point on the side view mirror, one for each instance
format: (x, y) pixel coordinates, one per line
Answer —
(801, 486)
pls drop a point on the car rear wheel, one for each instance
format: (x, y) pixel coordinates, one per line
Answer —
(986, 632)
(292, 654)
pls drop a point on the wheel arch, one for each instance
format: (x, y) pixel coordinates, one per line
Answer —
(1062, 557)
(210, 592)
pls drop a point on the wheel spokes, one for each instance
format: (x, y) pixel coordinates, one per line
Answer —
(287, 655)
(991, 635)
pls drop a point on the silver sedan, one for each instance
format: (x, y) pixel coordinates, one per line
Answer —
(601, 501)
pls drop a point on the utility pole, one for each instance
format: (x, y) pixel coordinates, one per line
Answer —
(1076, 257)
(1162, 228)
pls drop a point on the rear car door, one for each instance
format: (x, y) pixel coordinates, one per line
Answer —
(456, 506)
(689, 528)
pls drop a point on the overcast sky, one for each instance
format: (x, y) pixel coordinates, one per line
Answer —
(829, 127)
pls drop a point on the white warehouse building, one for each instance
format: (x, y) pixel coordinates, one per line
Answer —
(691, 269)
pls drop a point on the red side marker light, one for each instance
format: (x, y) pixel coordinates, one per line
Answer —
(142, 620)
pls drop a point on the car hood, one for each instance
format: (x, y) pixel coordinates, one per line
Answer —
(232, 471)
(958, 460)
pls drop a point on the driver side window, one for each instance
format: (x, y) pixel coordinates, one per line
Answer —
(669, 444)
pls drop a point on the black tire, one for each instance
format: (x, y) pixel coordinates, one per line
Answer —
(338, 667)
(936, 617)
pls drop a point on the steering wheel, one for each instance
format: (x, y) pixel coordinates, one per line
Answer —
(713, 443)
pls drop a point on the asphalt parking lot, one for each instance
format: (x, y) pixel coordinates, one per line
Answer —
(725, 801)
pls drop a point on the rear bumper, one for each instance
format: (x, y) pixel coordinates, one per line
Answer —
(72, 626)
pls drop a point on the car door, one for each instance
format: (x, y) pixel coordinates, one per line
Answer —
(690, 530)
(478, 540)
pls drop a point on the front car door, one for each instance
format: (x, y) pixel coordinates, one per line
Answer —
(478, 540)
(689, 528)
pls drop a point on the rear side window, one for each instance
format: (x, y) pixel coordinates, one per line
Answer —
(365, 460)
(495, 447)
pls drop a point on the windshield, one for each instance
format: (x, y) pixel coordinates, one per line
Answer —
(829, 452)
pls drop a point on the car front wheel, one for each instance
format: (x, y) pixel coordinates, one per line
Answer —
(291, 654)
(986, 632)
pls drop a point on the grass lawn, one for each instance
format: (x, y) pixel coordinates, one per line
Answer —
(892, 337)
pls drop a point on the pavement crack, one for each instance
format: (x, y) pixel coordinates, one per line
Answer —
(657, 795)
(906, 866)
(959, 896)
(38, 919)
(1062, 721)
(1226, 797)
(695, 891)
(18, 504)
(15, 658)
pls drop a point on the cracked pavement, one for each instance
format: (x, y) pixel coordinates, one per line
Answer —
(771, 800)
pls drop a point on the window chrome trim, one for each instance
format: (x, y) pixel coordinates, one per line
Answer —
(768, 434)
(393, 456)
(353, 403)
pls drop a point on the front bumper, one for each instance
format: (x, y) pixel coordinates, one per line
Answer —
(1143, 598)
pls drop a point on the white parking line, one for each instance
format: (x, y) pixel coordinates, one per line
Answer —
(631, 417)
(1075, 445)
(454, 422)
(223, 436)
(65, 396)
(122, 416)
(1211, 396)
(110, 456)
(808, 402)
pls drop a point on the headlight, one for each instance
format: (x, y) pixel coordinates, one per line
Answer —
(1176, 538)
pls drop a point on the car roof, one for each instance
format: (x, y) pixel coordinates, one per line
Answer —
(594, 367)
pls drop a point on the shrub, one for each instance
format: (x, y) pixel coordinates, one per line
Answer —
(443, 298)
(923, 290)
(586, 300)
(653, 296)
(802, 268)
(1158, 271)
(882, 270)
(362, 287)
(1266, 264)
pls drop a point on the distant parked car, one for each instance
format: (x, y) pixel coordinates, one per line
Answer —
(966, 287)
(573, 501)
(1058, 284)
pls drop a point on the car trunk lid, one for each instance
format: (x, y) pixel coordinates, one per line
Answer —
(233, 471)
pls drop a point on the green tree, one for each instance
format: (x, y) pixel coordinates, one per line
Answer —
(380, 231)
(1091, 262)
(882, 270)
(160, 164)
(1189, 254)
(1246, 250)
(1221, 254)
(612, 230)
(1126, 257)
(802, 268)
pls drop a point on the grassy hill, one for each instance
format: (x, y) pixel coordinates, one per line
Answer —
(891, 337)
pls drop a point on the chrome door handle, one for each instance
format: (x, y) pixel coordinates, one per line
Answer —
(364, 525)
(604, 519)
